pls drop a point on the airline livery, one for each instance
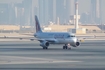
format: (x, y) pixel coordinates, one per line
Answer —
(47, 38)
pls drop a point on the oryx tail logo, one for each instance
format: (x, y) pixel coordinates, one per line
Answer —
(38, 29)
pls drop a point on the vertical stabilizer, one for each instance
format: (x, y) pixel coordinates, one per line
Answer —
(38, 28)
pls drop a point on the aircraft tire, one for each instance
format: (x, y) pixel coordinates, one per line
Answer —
(63, 47)
(46, 47)
(43, 47)
(66, 47)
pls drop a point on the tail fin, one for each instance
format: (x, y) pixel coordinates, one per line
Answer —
(38, 28)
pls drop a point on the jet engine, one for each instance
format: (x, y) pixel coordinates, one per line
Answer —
(75, 44)
(44, 44)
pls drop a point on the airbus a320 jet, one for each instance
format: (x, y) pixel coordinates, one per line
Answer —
(47, 38)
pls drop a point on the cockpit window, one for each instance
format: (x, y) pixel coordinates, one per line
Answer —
(71, 36)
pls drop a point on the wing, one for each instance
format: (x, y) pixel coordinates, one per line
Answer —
(28, 38)
(21, 36)
(5, 37)
(49, 40)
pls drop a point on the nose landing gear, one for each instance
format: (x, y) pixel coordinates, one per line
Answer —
(67, 46)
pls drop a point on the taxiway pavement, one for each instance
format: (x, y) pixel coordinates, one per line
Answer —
(28, 55)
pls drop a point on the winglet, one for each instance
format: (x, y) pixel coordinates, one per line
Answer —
(38, 28)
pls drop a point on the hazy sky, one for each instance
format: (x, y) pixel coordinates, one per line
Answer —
(84, 5)
(103, 10)
(9, 1)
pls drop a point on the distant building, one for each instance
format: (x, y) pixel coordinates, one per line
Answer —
(9, 11)
(52, 10)
(4, 16)
(27, 5)
(96, 11)
(64, 9)
(70, 7)
(85, 18)
(43, 11)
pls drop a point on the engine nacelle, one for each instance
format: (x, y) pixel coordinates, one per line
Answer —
(44, 44)
(76, 44)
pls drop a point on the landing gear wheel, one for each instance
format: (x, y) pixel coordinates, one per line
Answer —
(45, 47)
(64, 47)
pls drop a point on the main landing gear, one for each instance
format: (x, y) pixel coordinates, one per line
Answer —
(66, 47)
(45, 47)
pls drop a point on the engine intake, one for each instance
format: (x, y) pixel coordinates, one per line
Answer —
(75, 44)
(47, 44)
(44, 44)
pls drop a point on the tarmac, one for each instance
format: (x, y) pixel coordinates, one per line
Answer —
(28, 55)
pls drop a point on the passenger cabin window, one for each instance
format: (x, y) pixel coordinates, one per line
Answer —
(68, 36)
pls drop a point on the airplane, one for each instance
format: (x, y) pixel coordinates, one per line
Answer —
(47, 38)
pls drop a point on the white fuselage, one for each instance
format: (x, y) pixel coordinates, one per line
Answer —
(58, 38)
